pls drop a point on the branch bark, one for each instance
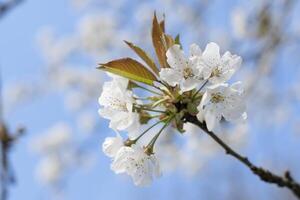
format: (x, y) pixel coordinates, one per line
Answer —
(5, 141)
(285, 181)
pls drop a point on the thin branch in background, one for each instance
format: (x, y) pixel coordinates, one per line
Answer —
(274, 33)
(265, 175)
(4, 142)
(3, 148)
(7, 140)
(5, 7)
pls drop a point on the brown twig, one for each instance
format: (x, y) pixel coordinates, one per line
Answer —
(265, 175)
(7, 140)
(6, 6)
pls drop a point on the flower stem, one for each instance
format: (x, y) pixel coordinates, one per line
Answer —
(162, 83)
(148, 129)
(154, 92)
(150, 146)
(159, 102)
(154, 116)
(264, 174)
(141, 98)
(152, 110)
(166, 91)
(157, 87)
(202, 86)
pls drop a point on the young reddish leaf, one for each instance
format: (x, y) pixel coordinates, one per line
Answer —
(162, 25)
(129, 68)
(159, 42)
(169, 41)
(143, 55)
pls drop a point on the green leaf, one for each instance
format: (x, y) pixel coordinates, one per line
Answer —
(177, 40)
(132, 85)
(143, 55)
(129, 68)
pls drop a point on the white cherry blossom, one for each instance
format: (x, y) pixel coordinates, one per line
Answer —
(183, 71)
(239, 22)
(117, 104)
(49, 170)
(219, 101)
(120, 81)
(53, 140)
(137, 164)
(217, 68)
(112, 145)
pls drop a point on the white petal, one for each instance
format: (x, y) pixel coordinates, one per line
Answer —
(103, 97)
(189, 84)
(227, 67)
(112, 145)
(195, 65)
(119, 81)
(205, 71)
(112, 96)
(176, 58)
(211, 54)
(195, 50)
(212, 119)
(231, 61)
(205, 99)
(221, 87)
(120, 163)
(136, 163)
(134, 129)
(106, 113)
(171, 76)
(235, 114)
(200, 114)
(238, 86)
(120, 121)
(143, 174)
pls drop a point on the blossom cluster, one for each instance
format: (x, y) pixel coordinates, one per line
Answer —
(59, 154)
(195, 85)
(55, 146)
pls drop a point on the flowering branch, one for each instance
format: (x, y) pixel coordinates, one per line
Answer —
(192, 89)
(265, 175)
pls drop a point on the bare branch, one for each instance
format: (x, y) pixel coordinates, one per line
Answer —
(7, 6)
(265, 175)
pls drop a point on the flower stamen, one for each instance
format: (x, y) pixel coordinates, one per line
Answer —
(216, 72)
(217, 98)
(188, 73)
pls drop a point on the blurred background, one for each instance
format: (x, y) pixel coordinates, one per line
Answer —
(49, 90)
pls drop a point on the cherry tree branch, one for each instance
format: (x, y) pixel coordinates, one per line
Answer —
(7, 6)
(4, 147)
(265, 175)
(6, 139)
